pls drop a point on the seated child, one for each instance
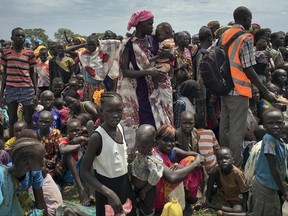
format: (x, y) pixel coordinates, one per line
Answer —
(17, 127)
(72, 149)
(50, 138)
(80, 84)
(279, 78)
(207, 143)
(271, 167)
(189, 91)
(64, 111)
(146, 169)
(57, 86)
(74, 84)
(4, 155)
(27, 158)
(231, 182)
(186, 134)
(47, 100)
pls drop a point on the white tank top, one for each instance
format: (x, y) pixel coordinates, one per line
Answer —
(112, 161)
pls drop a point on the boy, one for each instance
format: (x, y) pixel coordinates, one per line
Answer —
(279, 78)
(207, 143)
(231, 181)
(57, 87)
(17, 128)
(270, 167)
(42, 71)
(71, 148)
(18, 82)
(47, 101)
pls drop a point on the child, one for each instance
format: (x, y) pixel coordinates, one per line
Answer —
(147, 169)
(50, 138)
(107, 152)
(207, 143)
(57, 86)
(270, 167)
(186, 134)
(42, 71)
(231, 181)
(71, 148)
(18, 81)
(80, 84)
(62, 66)
(47, 100)
(64, 111)
(279, 78)
(17, 128)
(189, 91)
(74, 84)
(27, 158)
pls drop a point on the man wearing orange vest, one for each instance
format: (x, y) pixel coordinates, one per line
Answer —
(234, 106)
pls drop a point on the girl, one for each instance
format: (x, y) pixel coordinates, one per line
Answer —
(107, 153)
(27, 157)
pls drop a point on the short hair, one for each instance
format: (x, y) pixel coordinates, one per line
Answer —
(59, 103)
(200, 120)
(92, 37)
(204, 33)
(46, 92)
(223, 148)
(240, 12)
(108, 95)
(259, 34)
(24, 148)
(84, 118)
(73, 120)
(268, 111)
(165, 131)
(20, 122)
(16, 29)
(57, 80)
(275, 35)
(28, 133)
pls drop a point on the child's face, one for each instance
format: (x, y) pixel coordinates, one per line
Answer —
(44, 122)
(281, 77)
(74, 129)
(164, 33)
(80, 80)
(261, 44)
(43, 56)
(57, 88)
(92, 44)
(166, 144)
(73, 85)
(255, 95)
(225, 160)
(144, 148)
(273, 122)
(72, 103)
(112, 111)
(187, 123)
(47, 100)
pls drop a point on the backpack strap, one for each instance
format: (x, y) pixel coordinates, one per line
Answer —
(230, 41)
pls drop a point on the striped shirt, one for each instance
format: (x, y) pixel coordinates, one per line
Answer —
(207, 143)
(18, 67)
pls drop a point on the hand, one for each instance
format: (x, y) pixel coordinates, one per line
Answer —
(156, 74)
(270, 96)
(166, 54)
(115, 202)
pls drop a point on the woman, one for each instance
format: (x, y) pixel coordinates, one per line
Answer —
(135, 83)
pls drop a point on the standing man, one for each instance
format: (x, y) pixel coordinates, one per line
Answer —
(18, 83)
(234, 106)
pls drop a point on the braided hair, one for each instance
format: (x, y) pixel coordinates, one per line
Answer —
(109, 95)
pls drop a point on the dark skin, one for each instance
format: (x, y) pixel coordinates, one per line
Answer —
(225, 161)
(47, 100)
(274, 123)
(182, 40)
(57, 88)
(18, 38)
(145, 138)
(112, 114)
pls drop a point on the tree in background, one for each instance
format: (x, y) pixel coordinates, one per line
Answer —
(37, 33)
(59, 35)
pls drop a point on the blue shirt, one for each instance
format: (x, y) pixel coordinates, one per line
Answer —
(56, 119)
(273, 146)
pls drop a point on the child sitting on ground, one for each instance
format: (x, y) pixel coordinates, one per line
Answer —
(71, 148)
(207, 143)
(231, 182)
(50, 138)
(47, 100)
(17, 127)
(147, 169)
(27, 158)
(271, 168)
(57, 86)
(64, 111)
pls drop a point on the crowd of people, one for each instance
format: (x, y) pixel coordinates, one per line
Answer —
(130, 122)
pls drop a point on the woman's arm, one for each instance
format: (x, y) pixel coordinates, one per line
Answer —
(94, 145)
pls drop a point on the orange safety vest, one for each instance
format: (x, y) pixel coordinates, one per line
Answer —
(241, 82)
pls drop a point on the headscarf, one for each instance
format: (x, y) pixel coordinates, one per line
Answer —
(189, 87)
(28, 41)
(38, 41)
(139, 16)
(212, 24)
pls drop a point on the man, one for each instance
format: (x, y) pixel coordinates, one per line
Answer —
(18, 79)
(235, 104)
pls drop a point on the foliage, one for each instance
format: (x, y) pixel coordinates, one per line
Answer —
(59, 35)
(37, 33)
